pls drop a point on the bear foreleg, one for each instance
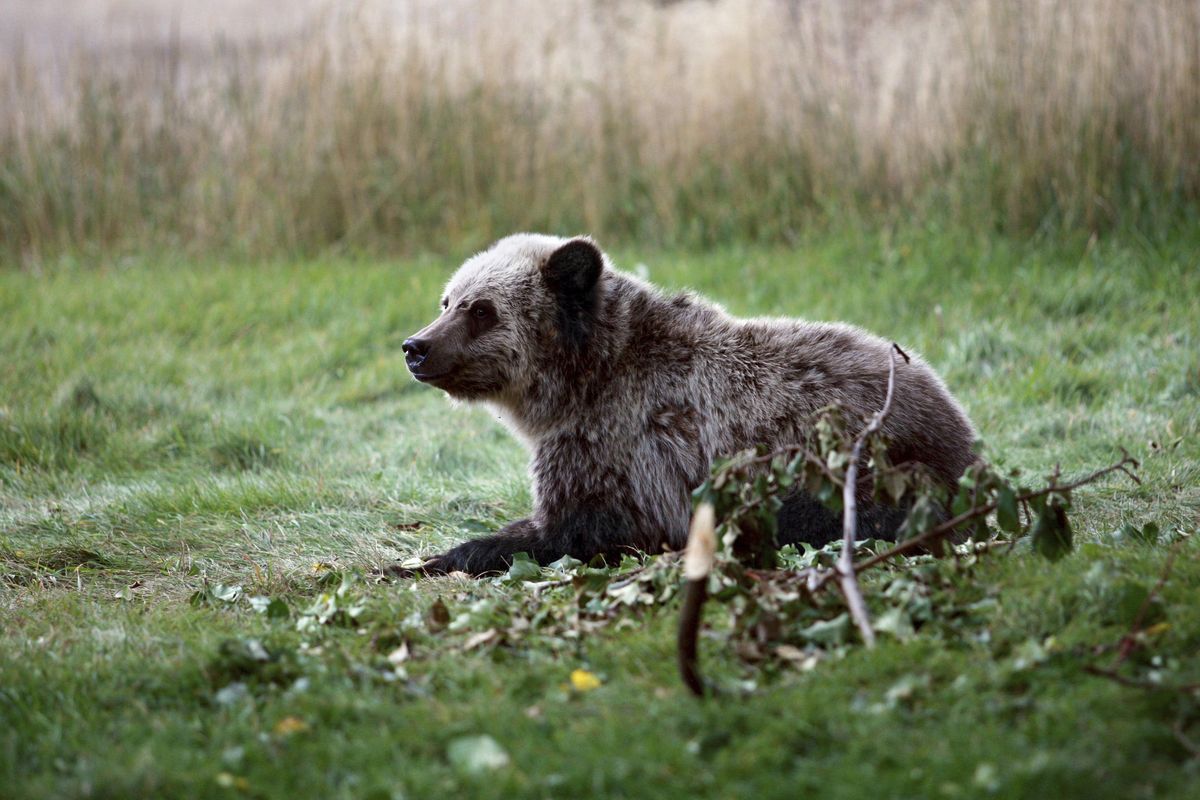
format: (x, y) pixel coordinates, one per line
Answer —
(581, 534)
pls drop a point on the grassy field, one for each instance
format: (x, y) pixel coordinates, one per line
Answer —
(170, 431)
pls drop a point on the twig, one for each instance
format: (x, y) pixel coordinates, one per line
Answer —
(845, 566)
(792, 450)
(694, 596)
(1134, 683)
(1184, 739)
(815, 580)
(1129, 642)
(951, 525)
(628, 577)
(697, 563)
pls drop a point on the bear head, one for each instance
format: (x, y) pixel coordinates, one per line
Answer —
(526, 302)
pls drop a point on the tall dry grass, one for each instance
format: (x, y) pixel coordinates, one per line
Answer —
(439, 125)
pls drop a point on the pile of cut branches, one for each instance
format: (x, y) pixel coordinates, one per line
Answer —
(731, 548)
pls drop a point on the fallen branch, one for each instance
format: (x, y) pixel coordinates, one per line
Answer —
(951, 525)
(845, 566)
(1130, 639)
(702, 544)
(1182, 737)
(989, 493)
(1129, 642)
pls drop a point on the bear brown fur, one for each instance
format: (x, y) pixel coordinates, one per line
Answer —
(625, 396)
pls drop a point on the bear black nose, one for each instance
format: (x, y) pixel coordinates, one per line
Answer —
(415, 351)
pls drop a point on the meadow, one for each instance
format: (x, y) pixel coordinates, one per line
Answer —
(178, 438)
(218, 226)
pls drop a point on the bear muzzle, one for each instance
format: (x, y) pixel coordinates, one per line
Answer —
(420, 360)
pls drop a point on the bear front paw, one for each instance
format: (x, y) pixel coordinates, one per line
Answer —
(477, 557)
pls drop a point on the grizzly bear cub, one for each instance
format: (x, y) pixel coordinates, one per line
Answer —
(625, 396)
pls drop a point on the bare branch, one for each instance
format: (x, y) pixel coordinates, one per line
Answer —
(846, 570)
(951, 525)
(845, 566)
(1182, 737)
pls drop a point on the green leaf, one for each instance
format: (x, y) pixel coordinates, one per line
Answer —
(565, 565)
(895, 483)
(962, 501)
(1128, 599)
(228, 593)
(1147, 534)
(523, 568)
(1052, 532)
(831, 631)
(896, 622)
(475, 755)
(921, 517)
(980, 532)
(1007, 516)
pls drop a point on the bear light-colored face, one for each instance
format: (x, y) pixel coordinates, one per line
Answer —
(499, 314)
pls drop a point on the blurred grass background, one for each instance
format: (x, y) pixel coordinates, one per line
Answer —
(384, 127)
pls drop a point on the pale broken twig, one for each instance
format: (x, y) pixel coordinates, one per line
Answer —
(845, 566)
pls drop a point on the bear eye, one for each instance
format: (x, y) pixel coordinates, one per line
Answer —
(481, 318)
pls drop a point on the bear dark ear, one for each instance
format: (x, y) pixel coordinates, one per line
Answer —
(571, 273)
(573, 269)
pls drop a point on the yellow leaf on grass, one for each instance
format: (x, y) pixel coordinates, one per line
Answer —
(289, 725)
(227, 781)
(584, 681)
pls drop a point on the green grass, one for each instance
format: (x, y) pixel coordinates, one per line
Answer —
(171, 426)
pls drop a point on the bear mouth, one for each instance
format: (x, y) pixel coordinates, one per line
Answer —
(430, 377)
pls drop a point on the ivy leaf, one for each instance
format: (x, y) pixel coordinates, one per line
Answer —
(962, 500)
(920, 518)
(1052, 532)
